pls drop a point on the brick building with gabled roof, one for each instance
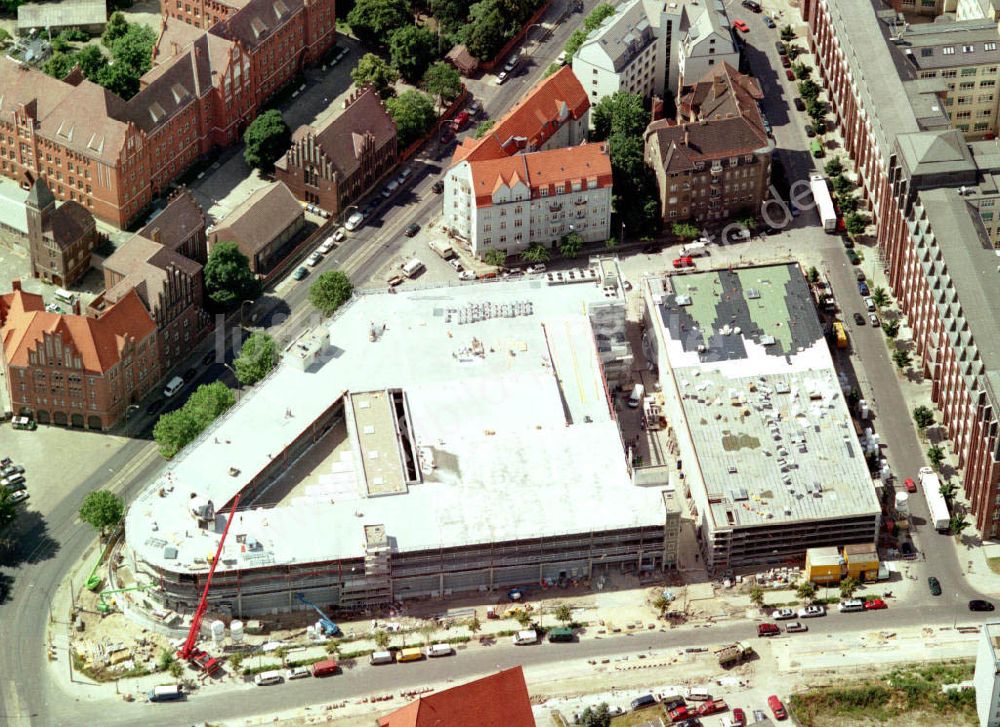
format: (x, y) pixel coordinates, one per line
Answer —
(714, 162)
(262, 226)
(60, 237)
(335, 164)
(77, 370)
(497, 700)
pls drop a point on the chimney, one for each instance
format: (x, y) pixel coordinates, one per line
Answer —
(76, 306)
(15, 284)
(154, 234)
(687, 137)
(176, 48)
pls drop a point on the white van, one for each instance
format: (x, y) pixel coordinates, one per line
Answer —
(381, 657)
(412, 267)
(524, 638)
(635, 398)
(266, 678)
(173, 386)
(440, 650)
(698, 694)
(853, 604)
(65, 296)
(166, 693)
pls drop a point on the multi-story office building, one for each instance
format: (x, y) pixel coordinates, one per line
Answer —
(113, 156)
(987, 675)
(715, 161)
(913, 174)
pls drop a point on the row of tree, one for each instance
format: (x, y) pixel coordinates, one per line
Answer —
(175, 429)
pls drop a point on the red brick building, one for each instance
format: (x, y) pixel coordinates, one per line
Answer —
(335, 164)
(77, 370)
(916, 181)
(113, 156)
(60, 238)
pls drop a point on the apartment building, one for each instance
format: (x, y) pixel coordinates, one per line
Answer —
(647, 46)
(551, 117)
(714, 162)
(959, 62)
(77, 370)
(114, 156)
(336, 164)
(939, 267)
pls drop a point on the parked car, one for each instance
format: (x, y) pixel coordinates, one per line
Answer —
(751, 5)
(800, 105)
(501, 78)
(11, 469)
(795, 627)
(300, 272)
(438, 187)
(859, 275)
(935, 585)
(741, 26)
(388, 189)
(853, 257)
(467, 275)
(789, 75)
(327, 246)
(684, 262)
(154, 406)
(24, 423)
(646, 700)
(739, 716)
(907, 550)
(768, 629)
(297, 672)
(780, 47)
(411, 229)
(875, 604)
(978, 604)
(810, 132)
(457, 264)
(354, 221)
(777, 708)
(340, 235)
(768, 22)
(19, 497)
(863, 288)
(812, 612)
(405, 174)
(786, 62)
(535, 269)
(910, 485)
(460, 120)
(315, 259)
(874, 319)
(859, 319)
(14, 482)
(782, 614)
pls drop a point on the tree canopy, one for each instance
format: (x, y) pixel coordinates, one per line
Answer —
(330, 291)
(599, 716)
(258, 355)
(267, 139)
(375, 70)
(374, 20)
(115, 28)
(102, 509)
(411, 50)
(619, 113)
(413, 113)
(176, 429)
(8, 509)
(449, 13)
(636, 198)
(442, 80)
(571, 244)
(228, 279)
(485, 35)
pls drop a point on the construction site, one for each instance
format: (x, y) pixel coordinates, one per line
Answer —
(421, 444)
(768, 451)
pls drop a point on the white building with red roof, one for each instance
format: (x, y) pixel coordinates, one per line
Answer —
(531, 179)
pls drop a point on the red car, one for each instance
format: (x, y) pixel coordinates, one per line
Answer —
(739, 717)
(741, 26)
(910, 485)
(684, 262)
(876, 604)
(768, 630)
(789, 75)
(777, 707)
(786, 62)
(679, 714)
(460, 120)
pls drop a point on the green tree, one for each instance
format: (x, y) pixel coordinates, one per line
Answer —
(599, 716)
(165, 659)
(834, 167)
(661, 603)
(173, 431)
(842, 185)
(848, 204)
(816, 109)
(636, 196)
(787, 34)
(282, 653)
(330, 291)
(948, 491)
(102, 510)
(536, 253)
(806, 592)
(923, 416)
(801, 71)
(551, 69)
(855, 224)
(228, 278)
(901, 358)
(495, 257)
(757, 596)
(573, 43)
(957, 524)
(411, 50)
(8, 511)
(374, 20)
(443, 81)
(91, 61)
(749, 223)
(880, 297)
(59, 65)
(571, 244)
(564, 613)
(486, 35)
(208, 401)
(266, 140)
(685, 230)
(848, 587)
(484, 128)
(5, 38)
(376, 71)
(935, 455)
(236, 661)
(134, 48)
(523, 618)
(597, 16)
(115, 28)
(812, 275)
(808, 90)
(890, 328)
(119, 79)
(381, 638)
(258, 355)
(475, 625)
(449, 13)
(619, 113)
(413, 113)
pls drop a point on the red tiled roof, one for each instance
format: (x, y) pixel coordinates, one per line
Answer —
(99, 341)
(499, 700)
(542, 169)
(528, 125)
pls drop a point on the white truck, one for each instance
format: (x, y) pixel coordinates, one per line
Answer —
(695, 249)
(931, 485)
(824, 203)
(442, 248)
(412, 267)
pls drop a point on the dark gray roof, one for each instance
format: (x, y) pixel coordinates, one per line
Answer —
(928, 46)
(40, 195)
(942, 151)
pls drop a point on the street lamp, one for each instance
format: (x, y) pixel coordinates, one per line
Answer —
(528, 33)
(344, 212)
(128, 412)
(242, 308)
(239, 388)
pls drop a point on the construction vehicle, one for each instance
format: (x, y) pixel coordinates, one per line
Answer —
(104, 607)
(199, 659)
(734, 654)
(328, 626)
(94, 581)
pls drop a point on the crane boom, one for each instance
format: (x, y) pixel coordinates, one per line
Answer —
(188, 649)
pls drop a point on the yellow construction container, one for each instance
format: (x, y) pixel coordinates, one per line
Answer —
(861, 561)
(824, 565)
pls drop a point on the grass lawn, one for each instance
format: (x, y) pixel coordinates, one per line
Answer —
(994, 564)
(909, 695)
(642, 716)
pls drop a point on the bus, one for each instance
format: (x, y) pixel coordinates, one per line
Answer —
(840, 333)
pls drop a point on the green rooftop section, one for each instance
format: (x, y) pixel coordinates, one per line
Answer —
(770, 311)
(704, 289)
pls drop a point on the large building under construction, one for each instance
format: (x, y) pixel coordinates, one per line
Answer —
(434, 441)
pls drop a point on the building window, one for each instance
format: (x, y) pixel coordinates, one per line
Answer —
(969, 71)
(989, 46)
(968, 48)
(948, 50)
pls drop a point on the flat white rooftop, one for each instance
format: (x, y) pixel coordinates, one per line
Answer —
(506, 407)
(763, 416)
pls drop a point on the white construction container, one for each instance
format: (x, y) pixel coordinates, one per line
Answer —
(218, 632)
(903, 504)
(236, 632)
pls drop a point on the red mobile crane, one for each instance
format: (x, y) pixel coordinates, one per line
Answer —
(196, 657)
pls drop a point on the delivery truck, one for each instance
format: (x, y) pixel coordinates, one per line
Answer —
(931, 485)
(442, 248)
(824, 203)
